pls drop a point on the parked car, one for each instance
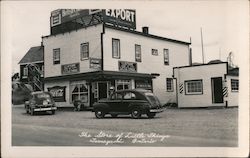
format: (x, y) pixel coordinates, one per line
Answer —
(126, 102)
(40, 101)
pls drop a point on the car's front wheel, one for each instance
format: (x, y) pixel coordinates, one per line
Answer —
(99, 113)
(136, 113)
(151, 115)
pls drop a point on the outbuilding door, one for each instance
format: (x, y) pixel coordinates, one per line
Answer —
(217, 92)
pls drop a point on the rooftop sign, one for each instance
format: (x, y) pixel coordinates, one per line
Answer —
(117, 17)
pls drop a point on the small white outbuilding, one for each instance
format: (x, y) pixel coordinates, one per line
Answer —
(206, 85)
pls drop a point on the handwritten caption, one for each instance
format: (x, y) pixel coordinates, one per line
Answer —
(107, 138)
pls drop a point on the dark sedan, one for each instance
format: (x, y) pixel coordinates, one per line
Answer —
(40, 101)
(126, 102)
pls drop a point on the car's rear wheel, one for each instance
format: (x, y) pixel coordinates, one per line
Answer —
(99, 113)
(136, 113)
(151, 115)
(114, 115)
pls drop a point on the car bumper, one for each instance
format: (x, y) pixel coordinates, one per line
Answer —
(45, 109)
(156, 110)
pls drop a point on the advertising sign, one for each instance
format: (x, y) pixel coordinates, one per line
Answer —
(58, 93)
(95, 63)
(127, 66)
(144, 84)
(70, 68)
(120, 17)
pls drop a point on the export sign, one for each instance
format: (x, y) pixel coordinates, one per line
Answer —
(58, 93)
(70, 68)
(120, 17)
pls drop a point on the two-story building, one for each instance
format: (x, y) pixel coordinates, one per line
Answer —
(96, 51)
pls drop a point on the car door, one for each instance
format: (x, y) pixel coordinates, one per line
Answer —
(115, 102)
(128, 98)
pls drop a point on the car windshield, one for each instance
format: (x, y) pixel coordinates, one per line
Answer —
(152, 98)
(43, 96)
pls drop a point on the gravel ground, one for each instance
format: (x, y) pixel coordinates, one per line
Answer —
(204, 123)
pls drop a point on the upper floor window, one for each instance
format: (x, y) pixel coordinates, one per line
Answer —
(169, 83)
(166, 56)
(193, 87)
(154, 51)
(116, 48)
(138, 53)
(56, 56)
(234, 85)
(84, 51)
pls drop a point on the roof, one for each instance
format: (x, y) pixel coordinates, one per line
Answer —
(99, 75)
(147, 35)
(200, 65)
(35, 54)
(134, 32)
(233, 71)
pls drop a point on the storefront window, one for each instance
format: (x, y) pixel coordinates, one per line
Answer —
(79, 92)
(123, 84)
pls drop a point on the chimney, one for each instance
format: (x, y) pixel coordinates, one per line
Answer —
(145, 30)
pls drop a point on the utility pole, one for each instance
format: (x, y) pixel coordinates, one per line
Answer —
(203, 60)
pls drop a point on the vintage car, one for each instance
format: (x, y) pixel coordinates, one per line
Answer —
(40, 101)
(126, 102)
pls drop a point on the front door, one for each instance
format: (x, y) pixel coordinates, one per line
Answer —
(102, 90)
(217, 92)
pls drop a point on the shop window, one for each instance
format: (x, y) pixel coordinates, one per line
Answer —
(137, 53)
(193, 87)
(166, 56)
(129, 96)
(234, 85)
(84, 51)
(115, 48)
(155, 52)
(79, 92)
(169, 83)
(123, 84)
(56, 56)
(25, 72)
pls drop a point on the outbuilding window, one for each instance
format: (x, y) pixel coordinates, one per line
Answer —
(116, 48)
(84, 51)
(234, 85)
(193, 87)
(169, 83)
(56, 56)
(138, 53)
(166, 56)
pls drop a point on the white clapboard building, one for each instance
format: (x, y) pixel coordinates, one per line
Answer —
(90, 52)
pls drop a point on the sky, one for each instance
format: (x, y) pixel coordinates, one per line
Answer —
(223, 24)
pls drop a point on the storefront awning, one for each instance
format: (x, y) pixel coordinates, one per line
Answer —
(101, 75)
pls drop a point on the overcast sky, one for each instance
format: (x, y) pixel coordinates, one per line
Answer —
(223, 22)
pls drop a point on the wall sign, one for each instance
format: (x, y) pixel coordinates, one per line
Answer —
(145, 84)
(121, 17)
(95, 63)
(58, 93)
(127, 66)
(70, 68)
